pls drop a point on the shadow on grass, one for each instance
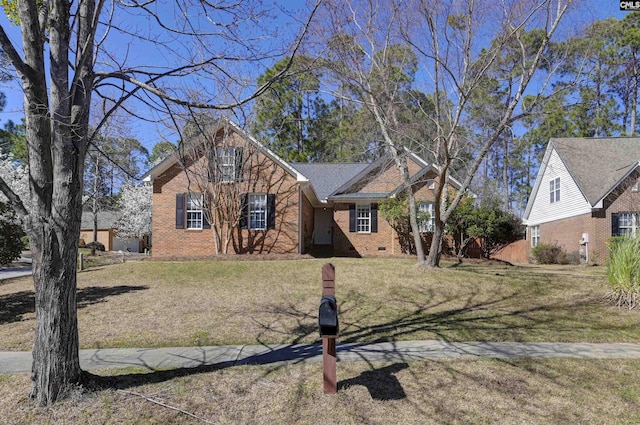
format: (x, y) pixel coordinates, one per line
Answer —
(14, 306)
(381, 383)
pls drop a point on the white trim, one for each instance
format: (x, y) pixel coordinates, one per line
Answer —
(362, 206)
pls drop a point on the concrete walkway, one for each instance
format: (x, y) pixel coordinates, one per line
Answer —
(404, 351)
(21, 267)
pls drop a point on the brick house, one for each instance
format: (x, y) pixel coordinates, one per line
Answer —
(279, 207)
(586, 191)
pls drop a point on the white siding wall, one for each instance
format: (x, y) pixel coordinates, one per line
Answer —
(572, 201)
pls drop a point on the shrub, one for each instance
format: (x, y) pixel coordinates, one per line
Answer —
(569, 258)
(623, 272)
(95, 245)
(10, 235)
(545, 253)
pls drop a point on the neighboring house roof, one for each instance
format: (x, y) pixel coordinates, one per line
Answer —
(598, 165)
(106, 219)
(327, 177)
(171, 160)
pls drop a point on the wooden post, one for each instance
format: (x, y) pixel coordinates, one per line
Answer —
(329, 358)
(81, 261)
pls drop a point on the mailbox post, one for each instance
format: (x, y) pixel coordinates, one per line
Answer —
(328, 323)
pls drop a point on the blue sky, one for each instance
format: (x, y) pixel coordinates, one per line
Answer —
(148, 134)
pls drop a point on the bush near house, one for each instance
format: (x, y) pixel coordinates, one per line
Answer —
(545, 253)
(97, 246)
(623, 272)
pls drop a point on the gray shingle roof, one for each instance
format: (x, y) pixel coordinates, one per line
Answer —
(327, 177)
(598, 164)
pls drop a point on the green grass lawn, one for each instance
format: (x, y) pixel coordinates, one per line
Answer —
(151, 303)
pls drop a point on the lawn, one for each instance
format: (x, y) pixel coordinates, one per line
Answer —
(149, 304)
(152, 304)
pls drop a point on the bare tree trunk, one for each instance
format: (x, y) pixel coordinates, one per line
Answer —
(435, 252)
(56, 366)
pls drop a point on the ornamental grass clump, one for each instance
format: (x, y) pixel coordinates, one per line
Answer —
(623, 272)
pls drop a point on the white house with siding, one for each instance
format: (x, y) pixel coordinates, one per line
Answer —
(585, 192)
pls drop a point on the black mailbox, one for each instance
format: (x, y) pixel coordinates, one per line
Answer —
(328, 316)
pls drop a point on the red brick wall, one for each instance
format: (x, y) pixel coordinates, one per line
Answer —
(260, 175)
(385, 242)
(389, 179)
(307, 223)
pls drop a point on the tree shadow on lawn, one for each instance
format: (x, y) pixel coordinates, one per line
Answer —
(412, 315)
(14, 306)
(416, 319)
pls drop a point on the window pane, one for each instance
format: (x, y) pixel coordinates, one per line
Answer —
(194, 211)
(427, 225)
(363, 215)
(227, 164)
(258, 212)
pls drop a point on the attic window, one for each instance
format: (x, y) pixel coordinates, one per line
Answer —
(635, 187)
(554, 190)
(431, 184)
(225, 165)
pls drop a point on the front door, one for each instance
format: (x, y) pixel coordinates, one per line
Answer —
(323, 226)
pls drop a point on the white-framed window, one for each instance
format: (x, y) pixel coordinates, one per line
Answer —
(225, 164)
(194, 211)
(628, 224)
(554, 190)
(363, 218)
(431, 184)
(257, 211)
(535, 236)
(428, 225)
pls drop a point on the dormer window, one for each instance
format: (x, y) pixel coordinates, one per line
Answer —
(554, 190)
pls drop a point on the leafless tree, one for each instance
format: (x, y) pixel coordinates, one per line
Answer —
(458, 46)
(73, 50)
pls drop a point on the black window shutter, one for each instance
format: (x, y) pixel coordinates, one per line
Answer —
(205, 222)
(271, 211)
(374, 218)
(180, 216)
(615, 228)
(352, 217)
(213, 165)
(244, 217)
(238, 163)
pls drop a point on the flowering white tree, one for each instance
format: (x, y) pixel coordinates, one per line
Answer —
(15, 175)
(135, 206)
(10, 224)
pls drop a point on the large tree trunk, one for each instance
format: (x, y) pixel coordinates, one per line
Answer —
(56, 367)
